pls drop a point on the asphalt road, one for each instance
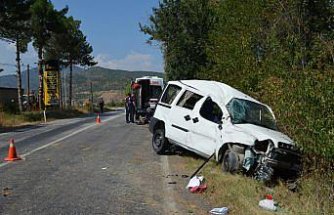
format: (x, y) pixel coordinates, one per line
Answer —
(76, 166)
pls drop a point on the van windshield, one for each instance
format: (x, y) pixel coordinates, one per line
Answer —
(248, 112)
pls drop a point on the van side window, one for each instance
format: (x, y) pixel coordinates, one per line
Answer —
(170, 93)
(188, 100)
(211, 111)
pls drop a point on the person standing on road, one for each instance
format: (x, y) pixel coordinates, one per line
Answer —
(101, 104)
(127, 107)
(132, 107)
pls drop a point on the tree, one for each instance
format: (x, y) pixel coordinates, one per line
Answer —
(182, 29)
(45, 21)
(70, 47)
(15, 27)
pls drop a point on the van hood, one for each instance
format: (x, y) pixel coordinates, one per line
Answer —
(262, 133)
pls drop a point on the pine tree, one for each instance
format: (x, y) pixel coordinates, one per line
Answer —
(15, 26)
(70, 46)
(45, 21)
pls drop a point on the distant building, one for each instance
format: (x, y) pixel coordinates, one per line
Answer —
(8, 96)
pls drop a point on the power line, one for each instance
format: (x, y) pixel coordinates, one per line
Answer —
(7, 64)
(7, 40)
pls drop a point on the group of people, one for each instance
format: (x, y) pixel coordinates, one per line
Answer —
(130, 108)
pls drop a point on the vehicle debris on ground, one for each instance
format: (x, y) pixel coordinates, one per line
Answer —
(268, 203)
(219, 211)
(196, 184)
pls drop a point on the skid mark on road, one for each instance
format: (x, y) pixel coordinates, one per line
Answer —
(169, 203)
(61, 139)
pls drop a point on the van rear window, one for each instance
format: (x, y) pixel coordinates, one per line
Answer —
(188, 100)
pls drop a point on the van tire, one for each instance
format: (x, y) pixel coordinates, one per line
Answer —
(230, 162)
(159, 141)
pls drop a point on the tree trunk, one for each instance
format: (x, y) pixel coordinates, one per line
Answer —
(19, 80)
(28, 88)
(61, 102)
(40, 76)
(70, 93)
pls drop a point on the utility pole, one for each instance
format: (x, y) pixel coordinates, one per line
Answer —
(19, 81)
(40, 87)
(65, 91)
(28, 86)
(91, 94)
(1, 70)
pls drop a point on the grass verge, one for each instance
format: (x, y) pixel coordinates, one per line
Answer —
(13, 120)
(242, 194)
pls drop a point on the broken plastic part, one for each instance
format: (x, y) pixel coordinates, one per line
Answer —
(199, 189)
(264, 172)
(268, 204)
(219, 211)
(195, 181)
(249, 159)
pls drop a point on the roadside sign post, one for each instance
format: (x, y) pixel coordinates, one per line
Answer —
(51, 80)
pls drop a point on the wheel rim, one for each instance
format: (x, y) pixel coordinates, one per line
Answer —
(226, 164)
(158, 140)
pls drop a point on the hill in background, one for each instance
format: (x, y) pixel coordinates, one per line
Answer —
(108, 79)
(103, 79)
(107, 83)
(11, 82)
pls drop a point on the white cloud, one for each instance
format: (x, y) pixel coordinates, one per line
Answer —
(11, 47)
(133, 61)
(8, 56)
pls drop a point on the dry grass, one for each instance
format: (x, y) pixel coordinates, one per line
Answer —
(10, 120)
(14, 120)
(242, 194)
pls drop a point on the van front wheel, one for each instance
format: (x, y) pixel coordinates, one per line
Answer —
(230, 162)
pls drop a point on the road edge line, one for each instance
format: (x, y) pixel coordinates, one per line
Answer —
(169, 206)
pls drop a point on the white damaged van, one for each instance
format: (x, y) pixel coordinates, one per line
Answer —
(212, 118)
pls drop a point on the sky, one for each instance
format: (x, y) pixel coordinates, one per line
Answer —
(111, 27)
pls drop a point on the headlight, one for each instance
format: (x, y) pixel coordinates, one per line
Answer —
(287, 146)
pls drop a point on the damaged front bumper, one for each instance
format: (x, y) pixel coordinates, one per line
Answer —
(283, 163)
(285, 160)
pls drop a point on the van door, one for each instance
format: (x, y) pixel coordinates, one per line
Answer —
(180, 117)
(205, 129)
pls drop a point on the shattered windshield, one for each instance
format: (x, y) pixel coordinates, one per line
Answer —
(244, 111)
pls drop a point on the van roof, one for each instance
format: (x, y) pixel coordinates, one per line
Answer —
(220, 91)
(149, 77)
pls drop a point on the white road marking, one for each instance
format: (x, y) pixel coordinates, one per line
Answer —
(61, 139)
(169, 203)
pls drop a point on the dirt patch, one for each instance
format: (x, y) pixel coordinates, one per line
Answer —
(190, 203)
(116, 96)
